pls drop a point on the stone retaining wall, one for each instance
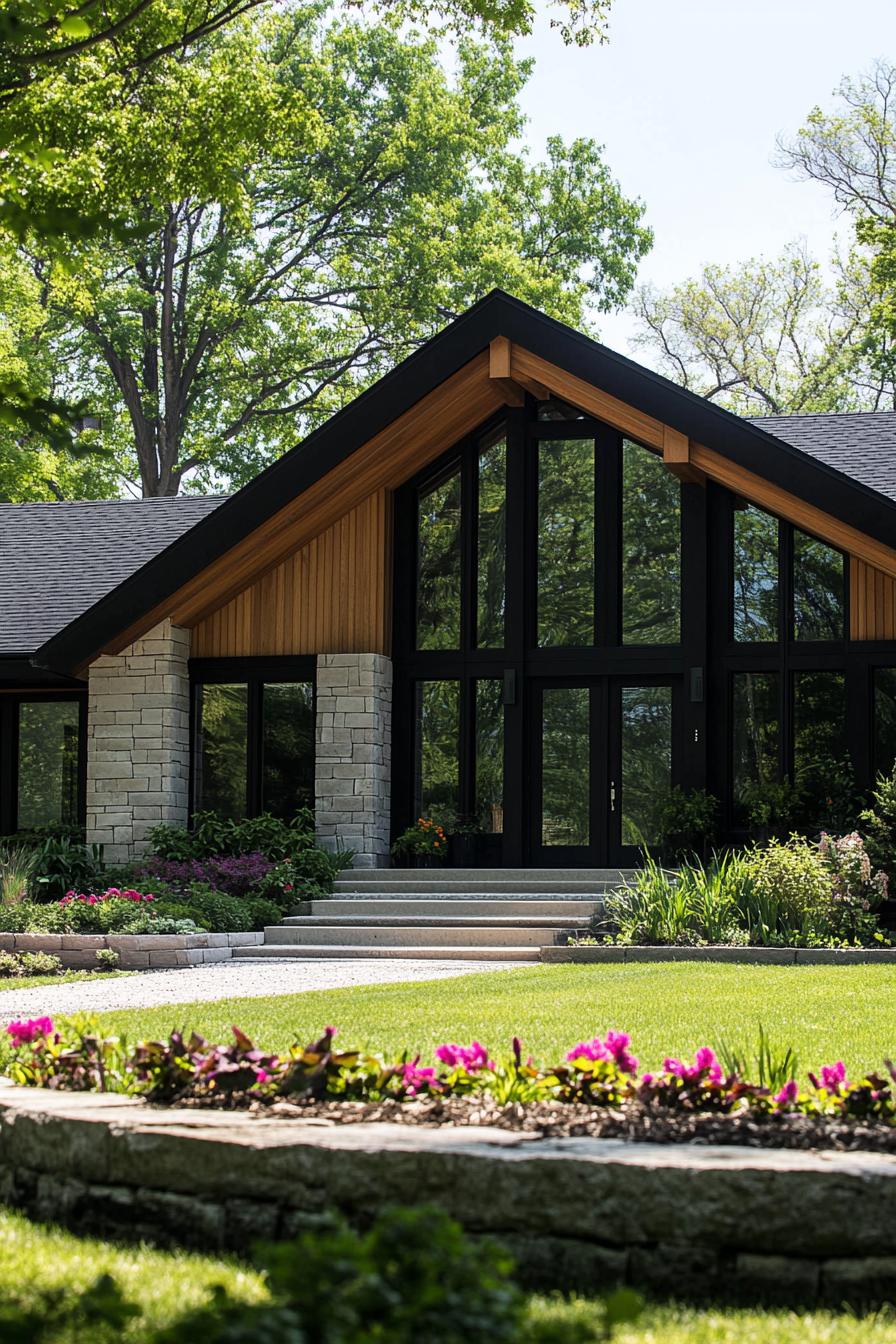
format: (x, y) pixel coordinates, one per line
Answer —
(737, 1223)
(136, 951)
(745, 956)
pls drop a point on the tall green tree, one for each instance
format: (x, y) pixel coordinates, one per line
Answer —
(851, 150)
(771, 337)
(308, 200)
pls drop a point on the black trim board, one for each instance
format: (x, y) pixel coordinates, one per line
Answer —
(498, 314)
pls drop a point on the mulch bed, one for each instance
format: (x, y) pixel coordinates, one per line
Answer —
(635, 1123)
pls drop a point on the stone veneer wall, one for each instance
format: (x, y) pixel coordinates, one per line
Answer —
(138, 741)
(353, 755)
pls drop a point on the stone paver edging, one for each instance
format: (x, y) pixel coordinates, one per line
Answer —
(746, 956)
(741, 1223)
(136, 951)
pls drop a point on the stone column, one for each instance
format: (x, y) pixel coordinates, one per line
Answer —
(353, 755)
(138, 741)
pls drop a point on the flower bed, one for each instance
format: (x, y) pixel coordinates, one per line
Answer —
(597, 1088)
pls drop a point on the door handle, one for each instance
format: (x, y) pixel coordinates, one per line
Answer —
(612, 795)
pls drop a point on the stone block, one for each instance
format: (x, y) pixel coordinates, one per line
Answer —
(865, 1281)
(776, 1280)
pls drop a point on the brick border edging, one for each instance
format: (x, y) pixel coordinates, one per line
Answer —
(746, 1224)
(745, 956)
(136, 951)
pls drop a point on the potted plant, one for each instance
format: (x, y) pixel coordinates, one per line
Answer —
(465, 843)
(423, 845)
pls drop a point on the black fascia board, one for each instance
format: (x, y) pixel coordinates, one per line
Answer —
(498, 314)
(18, 670)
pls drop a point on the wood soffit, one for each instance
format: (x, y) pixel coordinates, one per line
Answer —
(499, 376)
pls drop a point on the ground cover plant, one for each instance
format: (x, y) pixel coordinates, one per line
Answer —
(596, 1085)
(218, 877)
(824, 1012)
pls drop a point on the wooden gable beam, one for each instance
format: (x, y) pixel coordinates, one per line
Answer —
(677, 457)
(500, 370)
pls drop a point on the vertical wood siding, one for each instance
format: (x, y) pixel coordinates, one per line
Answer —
(872, 602)
(331, 596)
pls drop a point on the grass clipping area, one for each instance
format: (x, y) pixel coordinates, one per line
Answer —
(824, 1012)
(165, 1285)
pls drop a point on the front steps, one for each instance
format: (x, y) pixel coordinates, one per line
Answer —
(448, 915)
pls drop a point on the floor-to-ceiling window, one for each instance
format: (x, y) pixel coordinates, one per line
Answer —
(538, 639)
(784, 660)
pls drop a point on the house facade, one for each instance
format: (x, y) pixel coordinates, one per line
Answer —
(521, 585)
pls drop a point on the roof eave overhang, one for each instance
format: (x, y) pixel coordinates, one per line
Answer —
(498, 314)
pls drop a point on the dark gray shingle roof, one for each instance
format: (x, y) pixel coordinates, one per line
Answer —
(861, 444)
(56, 560)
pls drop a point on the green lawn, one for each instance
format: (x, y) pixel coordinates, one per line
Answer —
(36, 981)
(164, 1285)
(825, 1012)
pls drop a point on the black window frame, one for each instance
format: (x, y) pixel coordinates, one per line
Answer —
(786, 656)
(9, 750)
(254, 673)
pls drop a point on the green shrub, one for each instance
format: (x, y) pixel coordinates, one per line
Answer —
(878, 824)
(64, 864)
(698, 904)
(211, 836)
(107, 959)
(788, 897)
(29, 963)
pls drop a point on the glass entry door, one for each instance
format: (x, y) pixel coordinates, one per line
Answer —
(601, 752)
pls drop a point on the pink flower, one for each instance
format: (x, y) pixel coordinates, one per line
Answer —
(472, 1058)
(705, 1067)
(833, 1077)
(23, 1033)
(614, 1049)
(416, 1079)
(788, 1095)
(91, 899)
(113, 891)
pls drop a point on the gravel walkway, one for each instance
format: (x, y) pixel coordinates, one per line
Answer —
(227, 980)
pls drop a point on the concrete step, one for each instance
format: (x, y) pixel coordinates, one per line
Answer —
(422, 907)
(360, 951)
(497, 883)
(421, 934)
(471, 921)
(546, 875)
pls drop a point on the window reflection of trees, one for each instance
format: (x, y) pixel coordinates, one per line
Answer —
(819, 737)
(566, 766)
(491, 544)
(438, 751)
(287, 781)
(755, 575)
(439, 566)
(819, 610)
(651, 549)
(222, 739)
(756, 733)
(566, 539)
(646, 761)
(48, 754)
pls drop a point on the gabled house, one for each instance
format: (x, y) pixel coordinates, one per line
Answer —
(522, 585)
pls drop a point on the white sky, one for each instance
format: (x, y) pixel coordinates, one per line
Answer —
(687, 98)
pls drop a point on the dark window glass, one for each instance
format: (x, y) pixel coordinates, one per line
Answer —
(221, 741)
(438, 751)
(566, 542)
(48, 763)
(756, 736)
(884, 743)
(565, 766)
(755, 575)
(646, 761)
(819, 736)
(651, 549)
(439, 566)
(555, 409)
(819, 609)
(491, 543)
(287, 774)
(490, 756)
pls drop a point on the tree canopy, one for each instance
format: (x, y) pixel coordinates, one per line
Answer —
(306, 199)
(775, 336)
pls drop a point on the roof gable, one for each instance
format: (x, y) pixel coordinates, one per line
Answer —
(288, 491)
